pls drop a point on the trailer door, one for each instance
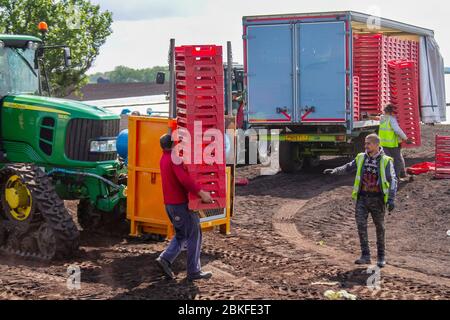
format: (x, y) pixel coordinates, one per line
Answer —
(322, 72)
(269, 73)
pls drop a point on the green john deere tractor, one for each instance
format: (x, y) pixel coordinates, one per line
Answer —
(51, 150)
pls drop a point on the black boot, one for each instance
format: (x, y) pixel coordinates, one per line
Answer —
(165, 267)
(365, 259)
(381, 261)
(199, 276)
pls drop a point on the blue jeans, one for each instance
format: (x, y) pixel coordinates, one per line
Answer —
(187, 231)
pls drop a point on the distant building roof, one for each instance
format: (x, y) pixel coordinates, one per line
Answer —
(100, 91)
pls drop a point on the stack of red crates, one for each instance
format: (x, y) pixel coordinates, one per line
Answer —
(371, 54)
(442, 157)
(400, 49)
(404, 89)
(368, 60)
(200, 101)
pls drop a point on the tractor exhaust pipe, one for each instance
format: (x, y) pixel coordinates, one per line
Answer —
(229, 93)
(172, 95)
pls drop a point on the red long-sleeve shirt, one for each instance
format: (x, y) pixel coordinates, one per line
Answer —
(176, 182)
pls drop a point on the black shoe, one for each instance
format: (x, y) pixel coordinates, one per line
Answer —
(381, 262)
(363, 260)
(199, 276)
(164, 265)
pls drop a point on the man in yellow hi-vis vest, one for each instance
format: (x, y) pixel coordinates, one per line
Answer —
(391, 135)
(374, 189)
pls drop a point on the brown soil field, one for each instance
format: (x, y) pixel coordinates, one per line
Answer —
(293, 237)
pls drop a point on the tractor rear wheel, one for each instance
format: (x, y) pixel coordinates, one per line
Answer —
(33, 219)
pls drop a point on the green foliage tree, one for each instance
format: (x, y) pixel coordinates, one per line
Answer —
(76, 23)
(122, 74)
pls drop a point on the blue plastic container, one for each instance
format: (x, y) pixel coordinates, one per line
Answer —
(122, 144)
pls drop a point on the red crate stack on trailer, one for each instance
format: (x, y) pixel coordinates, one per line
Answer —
(368, 62)
(200, 116)
(442, 157)
(400, 49)
(371, 55)
(404, 88)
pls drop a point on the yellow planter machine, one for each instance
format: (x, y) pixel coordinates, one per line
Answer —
(145, 205)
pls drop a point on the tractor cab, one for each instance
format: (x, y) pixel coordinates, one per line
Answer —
(19, 72)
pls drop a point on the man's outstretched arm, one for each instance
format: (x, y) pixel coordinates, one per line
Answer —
(343, 170)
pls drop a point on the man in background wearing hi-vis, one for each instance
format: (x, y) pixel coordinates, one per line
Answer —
(374, 189)
(391, 135)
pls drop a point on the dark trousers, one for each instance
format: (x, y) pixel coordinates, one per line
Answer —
(399, 161)
(187, 232)
(376, 207)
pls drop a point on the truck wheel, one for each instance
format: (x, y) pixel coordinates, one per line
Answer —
(313, 161)
(359, 143)
(290, 159)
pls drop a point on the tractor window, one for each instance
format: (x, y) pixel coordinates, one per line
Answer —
(17, 73)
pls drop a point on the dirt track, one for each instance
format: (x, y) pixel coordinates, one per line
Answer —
(293, 237)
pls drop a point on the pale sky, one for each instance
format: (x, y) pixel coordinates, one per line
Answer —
(142, 28)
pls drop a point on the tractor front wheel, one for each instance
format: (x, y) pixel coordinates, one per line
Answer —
(33, 220)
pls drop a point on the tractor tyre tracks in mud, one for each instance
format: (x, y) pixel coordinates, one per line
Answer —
(274, 251)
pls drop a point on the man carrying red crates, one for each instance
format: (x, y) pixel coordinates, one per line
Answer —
(391, 136)
(177, 184)
(375, 188)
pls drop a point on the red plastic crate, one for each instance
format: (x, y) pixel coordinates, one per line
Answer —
(190, 101)
(199, 72)
(199, 90)
(210, 179)
(182, 79)
(405, 97)
(198, 51)
(442, 157)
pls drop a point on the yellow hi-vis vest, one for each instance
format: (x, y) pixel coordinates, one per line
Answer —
(387, 135)
(385, 185)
